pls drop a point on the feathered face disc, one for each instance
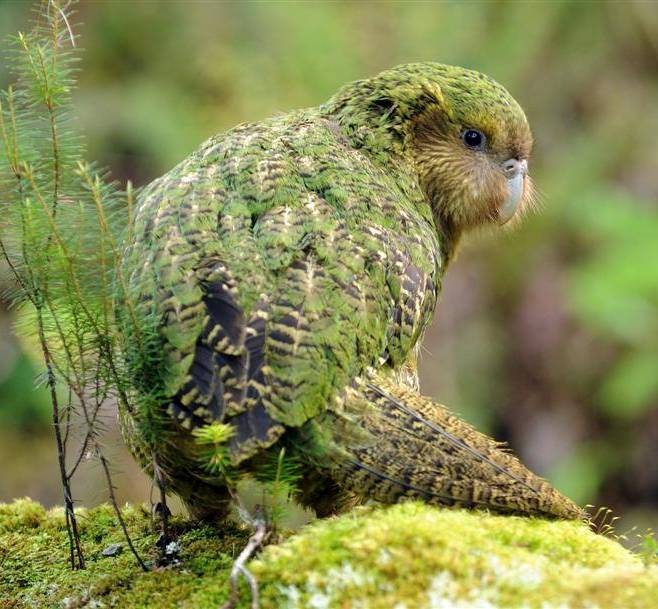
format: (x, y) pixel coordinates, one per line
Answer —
(471, 147)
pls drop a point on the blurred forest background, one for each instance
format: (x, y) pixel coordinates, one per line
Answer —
(546, 337)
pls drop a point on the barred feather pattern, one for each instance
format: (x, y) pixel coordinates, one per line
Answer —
(403, 445)
(278, 279)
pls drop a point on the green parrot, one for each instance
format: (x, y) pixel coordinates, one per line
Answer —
(280, 281)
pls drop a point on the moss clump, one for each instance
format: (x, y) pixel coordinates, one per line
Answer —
(414, 556)
(407, 556)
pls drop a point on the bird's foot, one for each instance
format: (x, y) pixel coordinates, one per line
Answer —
(261, 533)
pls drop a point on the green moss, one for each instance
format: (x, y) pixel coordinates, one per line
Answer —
(20, 515)
(412, 556)
(406, 556)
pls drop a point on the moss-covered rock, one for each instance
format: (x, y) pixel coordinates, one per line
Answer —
(403, 557)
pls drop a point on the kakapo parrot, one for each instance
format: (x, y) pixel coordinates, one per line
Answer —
(281, 278)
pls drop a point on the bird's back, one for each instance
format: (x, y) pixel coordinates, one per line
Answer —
(279, 263)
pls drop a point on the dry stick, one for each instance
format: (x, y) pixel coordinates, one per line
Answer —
(253, 585)
(61, 452)
(62, 443)
(238, 568)
(117, 510)
(72, 525)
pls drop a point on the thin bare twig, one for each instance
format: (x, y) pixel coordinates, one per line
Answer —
(117, 509)
(253, 545)
(76, 553)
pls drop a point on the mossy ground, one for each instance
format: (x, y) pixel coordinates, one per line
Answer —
(403, 557)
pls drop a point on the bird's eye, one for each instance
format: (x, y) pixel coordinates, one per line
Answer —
(474, 139)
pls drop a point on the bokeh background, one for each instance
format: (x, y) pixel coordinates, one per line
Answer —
(547, 336)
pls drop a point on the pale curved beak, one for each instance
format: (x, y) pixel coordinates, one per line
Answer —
(515, 172)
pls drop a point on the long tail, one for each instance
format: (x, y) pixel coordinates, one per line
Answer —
(388, 442)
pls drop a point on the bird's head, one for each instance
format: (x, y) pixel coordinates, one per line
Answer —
(466, 137)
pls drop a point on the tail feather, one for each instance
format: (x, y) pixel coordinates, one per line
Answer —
(409, 446)
(423, 492)
(459, 443)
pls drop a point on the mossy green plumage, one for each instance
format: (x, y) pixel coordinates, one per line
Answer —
(287, 271)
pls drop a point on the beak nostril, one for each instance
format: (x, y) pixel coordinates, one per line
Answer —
(512, 167)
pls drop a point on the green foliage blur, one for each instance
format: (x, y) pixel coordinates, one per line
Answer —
(547, 335)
